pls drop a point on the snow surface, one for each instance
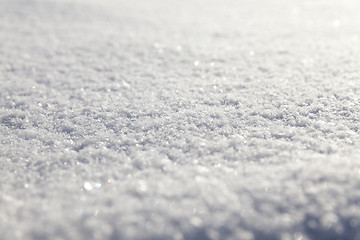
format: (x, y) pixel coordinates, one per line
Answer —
(191, 119)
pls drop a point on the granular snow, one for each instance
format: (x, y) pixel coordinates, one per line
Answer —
(179, 120)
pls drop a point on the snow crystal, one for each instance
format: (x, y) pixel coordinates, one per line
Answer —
(88, 186)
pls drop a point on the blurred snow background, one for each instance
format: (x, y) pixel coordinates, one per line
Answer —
(187, 119)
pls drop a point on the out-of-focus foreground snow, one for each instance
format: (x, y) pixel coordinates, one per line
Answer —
(192, 119)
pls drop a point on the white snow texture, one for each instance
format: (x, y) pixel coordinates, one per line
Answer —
(191, 119)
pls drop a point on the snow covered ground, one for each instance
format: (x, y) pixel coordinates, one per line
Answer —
(191, 119)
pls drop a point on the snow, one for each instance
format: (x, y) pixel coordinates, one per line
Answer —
(179, 120)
